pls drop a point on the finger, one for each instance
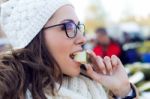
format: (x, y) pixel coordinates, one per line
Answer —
(101, 65)
(95, 65)
(119, 61)
(92, 57)
(91, 73)
(89, 69)
(114, 61)
(97, 62)
(108, 64)
(91, 53)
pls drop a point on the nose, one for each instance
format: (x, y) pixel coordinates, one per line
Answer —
(80, 39)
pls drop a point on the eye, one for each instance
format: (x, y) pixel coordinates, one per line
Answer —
(63, 27)
(70, 26)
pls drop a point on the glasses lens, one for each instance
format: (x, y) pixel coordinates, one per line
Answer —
(82, 28)
(70, 29)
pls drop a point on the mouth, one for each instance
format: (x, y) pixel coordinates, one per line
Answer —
(80, 56)
(72, 58)
(72, 55)
(75, 53)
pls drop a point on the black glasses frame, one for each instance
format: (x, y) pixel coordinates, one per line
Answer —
(64, 24)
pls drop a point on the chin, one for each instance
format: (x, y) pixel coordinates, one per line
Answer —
(72, 67)
(75, 73)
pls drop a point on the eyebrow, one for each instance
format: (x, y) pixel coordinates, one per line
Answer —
(69, 20)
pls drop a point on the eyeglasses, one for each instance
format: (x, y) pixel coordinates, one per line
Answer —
(70, 28)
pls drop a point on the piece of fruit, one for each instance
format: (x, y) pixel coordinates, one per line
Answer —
(81, 57)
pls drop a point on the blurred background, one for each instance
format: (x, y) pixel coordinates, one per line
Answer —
(120, 27)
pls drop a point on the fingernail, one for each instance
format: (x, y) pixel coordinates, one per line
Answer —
(104, 72)
(88, 51)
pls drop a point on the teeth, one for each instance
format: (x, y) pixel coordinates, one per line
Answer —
(72, 56)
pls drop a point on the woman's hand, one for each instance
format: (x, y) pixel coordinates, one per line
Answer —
(110, 73)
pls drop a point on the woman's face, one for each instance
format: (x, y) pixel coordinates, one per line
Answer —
(59, 45)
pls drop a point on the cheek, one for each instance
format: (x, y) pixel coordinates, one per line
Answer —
(58, 44)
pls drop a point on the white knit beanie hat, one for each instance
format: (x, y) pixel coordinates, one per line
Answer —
(22, 20)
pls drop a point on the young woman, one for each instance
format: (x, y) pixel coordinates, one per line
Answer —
(45, 36)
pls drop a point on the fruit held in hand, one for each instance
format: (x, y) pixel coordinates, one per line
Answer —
(81, 57)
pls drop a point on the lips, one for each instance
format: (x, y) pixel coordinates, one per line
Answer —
(80, 56)
(72, 55)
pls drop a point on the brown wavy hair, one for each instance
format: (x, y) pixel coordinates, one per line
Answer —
(32, 67)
